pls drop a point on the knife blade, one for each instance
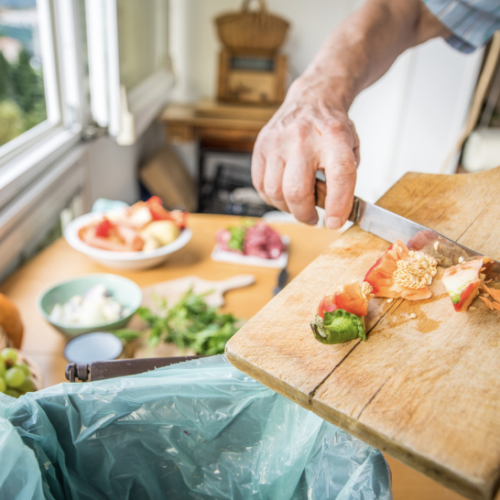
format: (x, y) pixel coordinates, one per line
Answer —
(282, 279)
(391, 227)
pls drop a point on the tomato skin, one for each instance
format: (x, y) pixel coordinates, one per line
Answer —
(380, 275)
(103, 228)
(374, 280)
(347, 297)
(467, 296)
(327, 304)
(462, 283)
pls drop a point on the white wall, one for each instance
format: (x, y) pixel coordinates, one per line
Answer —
(112, 169)
(409, 120)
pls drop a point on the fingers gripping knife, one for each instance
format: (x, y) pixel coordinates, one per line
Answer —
(391, 227)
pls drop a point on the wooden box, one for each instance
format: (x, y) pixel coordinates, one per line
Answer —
(252, 79)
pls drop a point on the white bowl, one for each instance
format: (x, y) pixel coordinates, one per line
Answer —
(121, 260)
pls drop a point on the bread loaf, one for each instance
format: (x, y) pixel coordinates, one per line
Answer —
(10, 321)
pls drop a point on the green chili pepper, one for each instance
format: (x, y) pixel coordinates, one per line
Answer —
(337, 327)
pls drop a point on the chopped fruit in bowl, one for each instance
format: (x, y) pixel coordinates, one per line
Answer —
(144, 226)
(136, 237)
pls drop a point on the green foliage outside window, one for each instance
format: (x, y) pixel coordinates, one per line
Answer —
(22, 98)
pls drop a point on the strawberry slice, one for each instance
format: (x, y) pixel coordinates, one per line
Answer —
(155, 206)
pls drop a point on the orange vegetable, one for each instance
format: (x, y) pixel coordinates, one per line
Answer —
(381, 275)
(350, 297)
(462, 283)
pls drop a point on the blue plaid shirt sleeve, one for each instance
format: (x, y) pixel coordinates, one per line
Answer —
(472, 22)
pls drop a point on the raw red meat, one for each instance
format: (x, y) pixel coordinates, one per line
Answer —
(262, 241)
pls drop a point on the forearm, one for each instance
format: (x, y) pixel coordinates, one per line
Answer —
(364, 47)
(312, 129)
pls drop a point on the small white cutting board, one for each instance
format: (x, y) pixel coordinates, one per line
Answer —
(173, 290)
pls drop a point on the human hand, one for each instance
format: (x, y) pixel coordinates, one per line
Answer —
(311, 131)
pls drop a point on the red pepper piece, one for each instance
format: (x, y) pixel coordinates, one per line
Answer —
(348, 297)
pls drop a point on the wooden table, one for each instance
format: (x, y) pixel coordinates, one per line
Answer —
(59, 262)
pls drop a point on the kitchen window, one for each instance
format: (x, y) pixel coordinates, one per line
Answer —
(130, 80)
(64, 65)
(40, 89)
(22, 95)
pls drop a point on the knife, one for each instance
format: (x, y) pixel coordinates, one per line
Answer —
(391, 227)
(282, 279)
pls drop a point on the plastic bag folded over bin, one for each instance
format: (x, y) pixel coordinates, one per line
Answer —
(200, 429)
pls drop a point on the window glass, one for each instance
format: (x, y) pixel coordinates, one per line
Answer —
(142, 39)
(22, 98)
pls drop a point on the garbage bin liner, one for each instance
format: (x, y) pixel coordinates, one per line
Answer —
(200, 429)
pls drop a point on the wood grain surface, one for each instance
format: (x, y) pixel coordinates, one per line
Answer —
(424, 390)
(60, 262)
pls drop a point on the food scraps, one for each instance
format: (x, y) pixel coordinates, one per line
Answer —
(399, 272)
(402, 273)
(462, 283)
(340, 316)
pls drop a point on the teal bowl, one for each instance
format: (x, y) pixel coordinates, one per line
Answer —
(123, 290)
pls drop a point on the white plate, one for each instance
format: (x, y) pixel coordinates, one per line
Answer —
(246, 260)
(121, 260)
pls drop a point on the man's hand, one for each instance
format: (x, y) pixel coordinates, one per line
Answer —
(312, 130)
(308, 133)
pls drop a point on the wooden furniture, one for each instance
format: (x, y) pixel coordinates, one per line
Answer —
(424, 390)
(251, 78)
(59, 262)
(256, 31)
(216, 126)
(251, 70)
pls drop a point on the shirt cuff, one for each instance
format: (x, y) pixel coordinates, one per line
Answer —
(472, 27)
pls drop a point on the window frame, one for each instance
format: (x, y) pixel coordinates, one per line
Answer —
(126, 113)
(25, 157)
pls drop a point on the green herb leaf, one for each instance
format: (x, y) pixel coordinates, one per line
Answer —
(127, 334)
(238, 233)
(190, 324)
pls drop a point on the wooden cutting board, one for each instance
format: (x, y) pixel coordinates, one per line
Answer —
(424, 390)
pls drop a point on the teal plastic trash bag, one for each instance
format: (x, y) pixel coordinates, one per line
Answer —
(195, 430)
